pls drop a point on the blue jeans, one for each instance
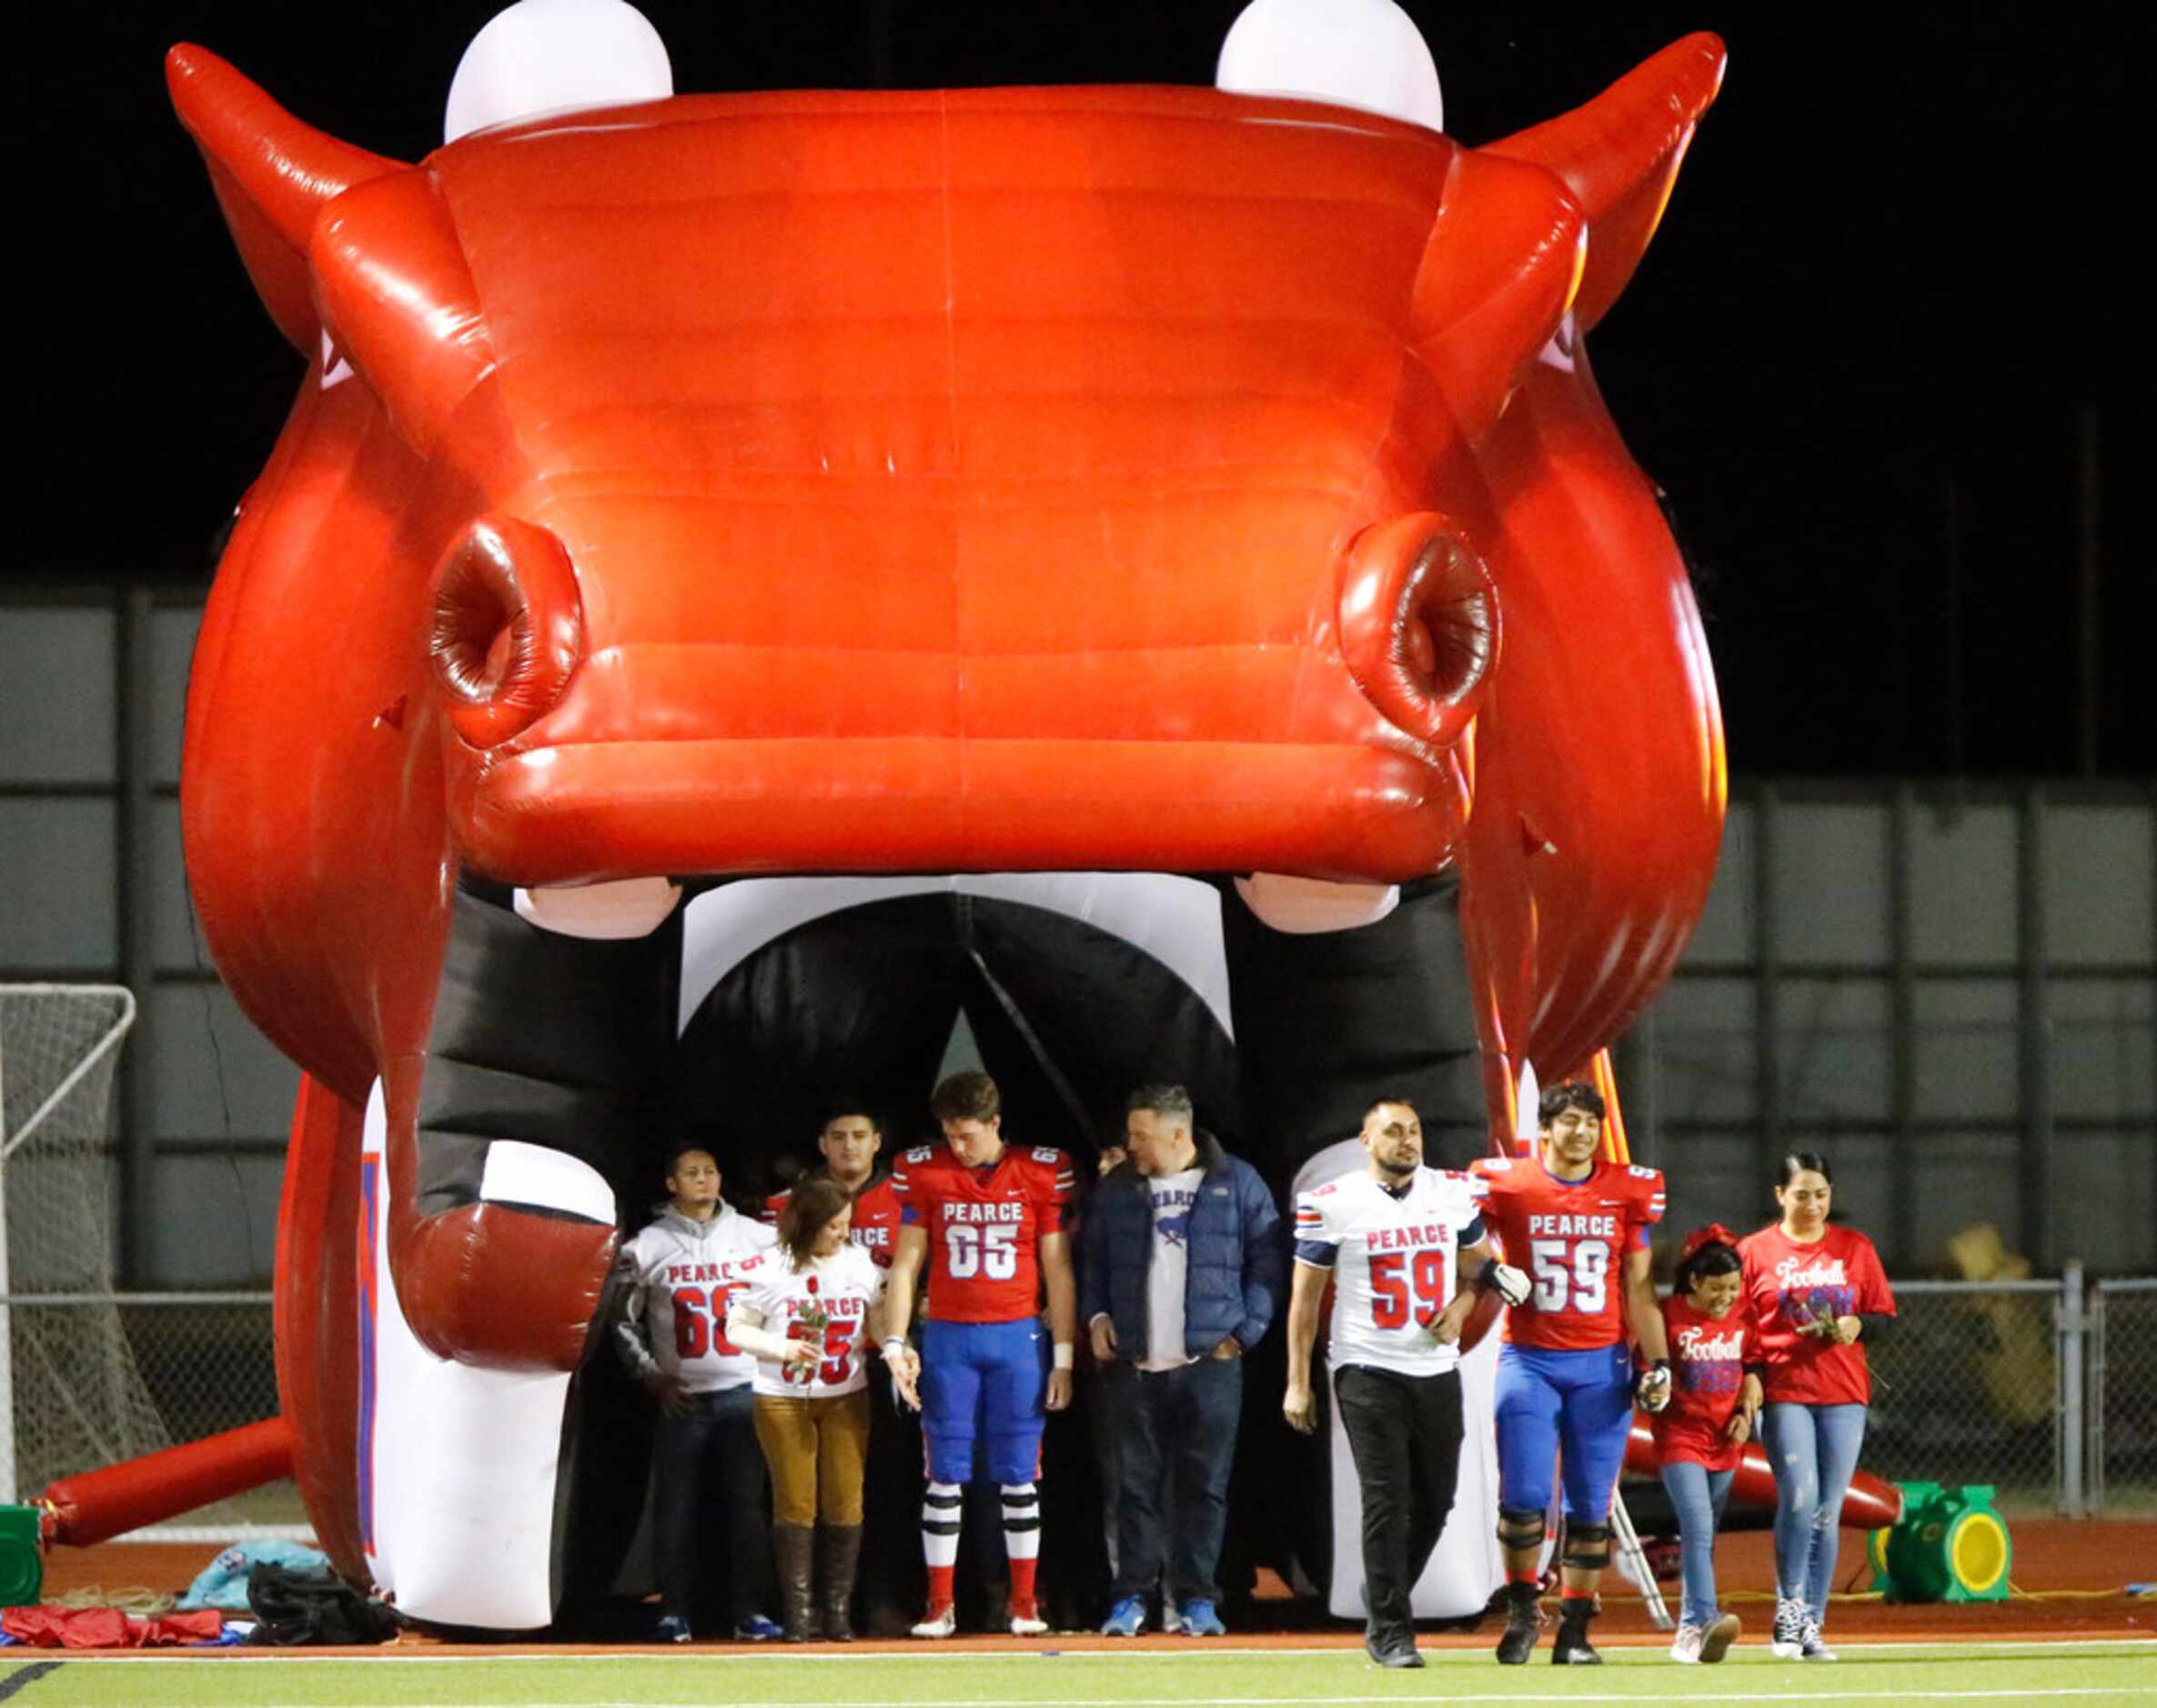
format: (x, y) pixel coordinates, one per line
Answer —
(1698, 1493)
(1814, 1451)
(1176, 1429)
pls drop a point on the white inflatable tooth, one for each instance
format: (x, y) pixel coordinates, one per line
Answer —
(1307, 907)
(552, 55)
(629, 907)
(1365, 53)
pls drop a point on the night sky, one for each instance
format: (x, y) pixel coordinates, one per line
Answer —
(1890, 288)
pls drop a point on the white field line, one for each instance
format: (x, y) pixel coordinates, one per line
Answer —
(2112, 1693)
(1196, 1649)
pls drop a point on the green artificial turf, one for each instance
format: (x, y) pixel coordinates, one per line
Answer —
(2071, 1674)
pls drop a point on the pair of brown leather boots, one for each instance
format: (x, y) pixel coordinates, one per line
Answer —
(798, 1577)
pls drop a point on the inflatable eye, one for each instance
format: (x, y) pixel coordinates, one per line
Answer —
(1365, 53)
(507, 626)
(549, 55)
(1419, 624)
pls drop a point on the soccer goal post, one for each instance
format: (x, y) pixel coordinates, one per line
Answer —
(70, 1394)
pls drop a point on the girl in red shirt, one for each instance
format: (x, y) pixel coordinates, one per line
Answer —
(1715, 1393)
(1818, 1293)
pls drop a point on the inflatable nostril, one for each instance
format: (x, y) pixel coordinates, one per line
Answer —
(1420, 624)
(507, 626)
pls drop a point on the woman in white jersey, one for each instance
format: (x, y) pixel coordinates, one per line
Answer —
(810, 1308)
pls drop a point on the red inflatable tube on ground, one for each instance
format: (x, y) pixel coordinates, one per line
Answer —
(98, 1505)
(1870, 1503)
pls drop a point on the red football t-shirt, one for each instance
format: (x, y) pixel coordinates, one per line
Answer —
(1787, 1283)
(1572, 1238)
(1707, 1360)
(875, 1226)
(984, 1226)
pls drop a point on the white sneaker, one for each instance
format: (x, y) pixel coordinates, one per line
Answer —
(1026, 1620)
(1789, 1641)
(1720, 1633)
(1810, 1647)
(1685, 1648)
(942, 1621)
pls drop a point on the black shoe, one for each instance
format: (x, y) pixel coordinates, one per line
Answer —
(1572, 1647)
(1522, 1626)
(1396, 1648)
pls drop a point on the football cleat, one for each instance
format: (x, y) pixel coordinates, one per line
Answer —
(1025, 1617)
(943, 1621)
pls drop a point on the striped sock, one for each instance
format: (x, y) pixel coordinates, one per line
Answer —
(939, 1539)
(1021, 1538)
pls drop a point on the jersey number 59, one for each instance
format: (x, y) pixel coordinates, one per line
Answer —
(1570, 1277)
(1390, 1308)
(991, 1251)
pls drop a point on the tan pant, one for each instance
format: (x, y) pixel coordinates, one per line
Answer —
(816, 1449)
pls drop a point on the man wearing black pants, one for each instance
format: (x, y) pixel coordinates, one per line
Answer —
(1396, 1240)
(676, 1278)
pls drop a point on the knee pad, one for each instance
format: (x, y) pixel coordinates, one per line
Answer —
(1519, 1530)
(1588, 1546)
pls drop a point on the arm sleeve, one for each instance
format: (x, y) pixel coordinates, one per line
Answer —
(745, 1328)
(629, 1343)
(1265, 1255)
(1092, 1270)
(1317, 1243)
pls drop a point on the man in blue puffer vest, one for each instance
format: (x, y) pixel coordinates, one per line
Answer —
(1183, 1258)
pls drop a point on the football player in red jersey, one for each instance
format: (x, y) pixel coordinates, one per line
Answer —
(849, 1142)
(986, 1221)
(1579, 1227)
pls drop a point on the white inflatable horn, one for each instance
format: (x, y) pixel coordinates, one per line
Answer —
(549, 55)
(1365, 53)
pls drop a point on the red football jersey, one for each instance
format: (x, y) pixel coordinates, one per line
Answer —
(1786, 1283)
(1572, 1237)
(876, 1218)
(1707, 1360)
(984, 1226)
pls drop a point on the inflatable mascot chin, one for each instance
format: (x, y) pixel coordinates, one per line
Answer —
(748, 577)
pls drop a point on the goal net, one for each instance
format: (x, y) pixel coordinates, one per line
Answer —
(71, 1396)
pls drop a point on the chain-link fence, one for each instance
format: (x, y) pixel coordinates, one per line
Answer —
(2123, 1396)
(1966, 1389)
(205, 1364)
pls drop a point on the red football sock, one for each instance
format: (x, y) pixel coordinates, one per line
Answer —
(940, 1585)
(1021, 1581)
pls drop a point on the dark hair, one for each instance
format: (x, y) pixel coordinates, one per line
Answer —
(676, 1152)
(1172, 1103)
(969, 1096)
(1378, 1103)
(1716, 1257)
(808, 1212)
(1802, 1161)
(846, 1104)
(1572, 1094)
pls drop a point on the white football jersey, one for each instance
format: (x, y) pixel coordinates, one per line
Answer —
(680, 1276)
(1395, 1264)
(829, 1300)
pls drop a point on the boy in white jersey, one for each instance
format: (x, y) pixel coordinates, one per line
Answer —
(1394, 1241)
(676, 1278)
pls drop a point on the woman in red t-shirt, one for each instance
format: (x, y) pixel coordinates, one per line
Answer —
(1715, 1394)
(1818, 1293)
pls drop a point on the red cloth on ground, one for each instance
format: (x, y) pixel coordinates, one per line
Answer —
(107, 1628)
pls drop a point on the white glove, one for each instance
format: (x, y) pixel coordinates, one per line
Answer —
(1510, 1285)
(1653, 1389)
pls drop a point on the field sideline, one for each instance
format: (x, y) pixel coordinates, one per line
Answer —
(2069, 1672)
